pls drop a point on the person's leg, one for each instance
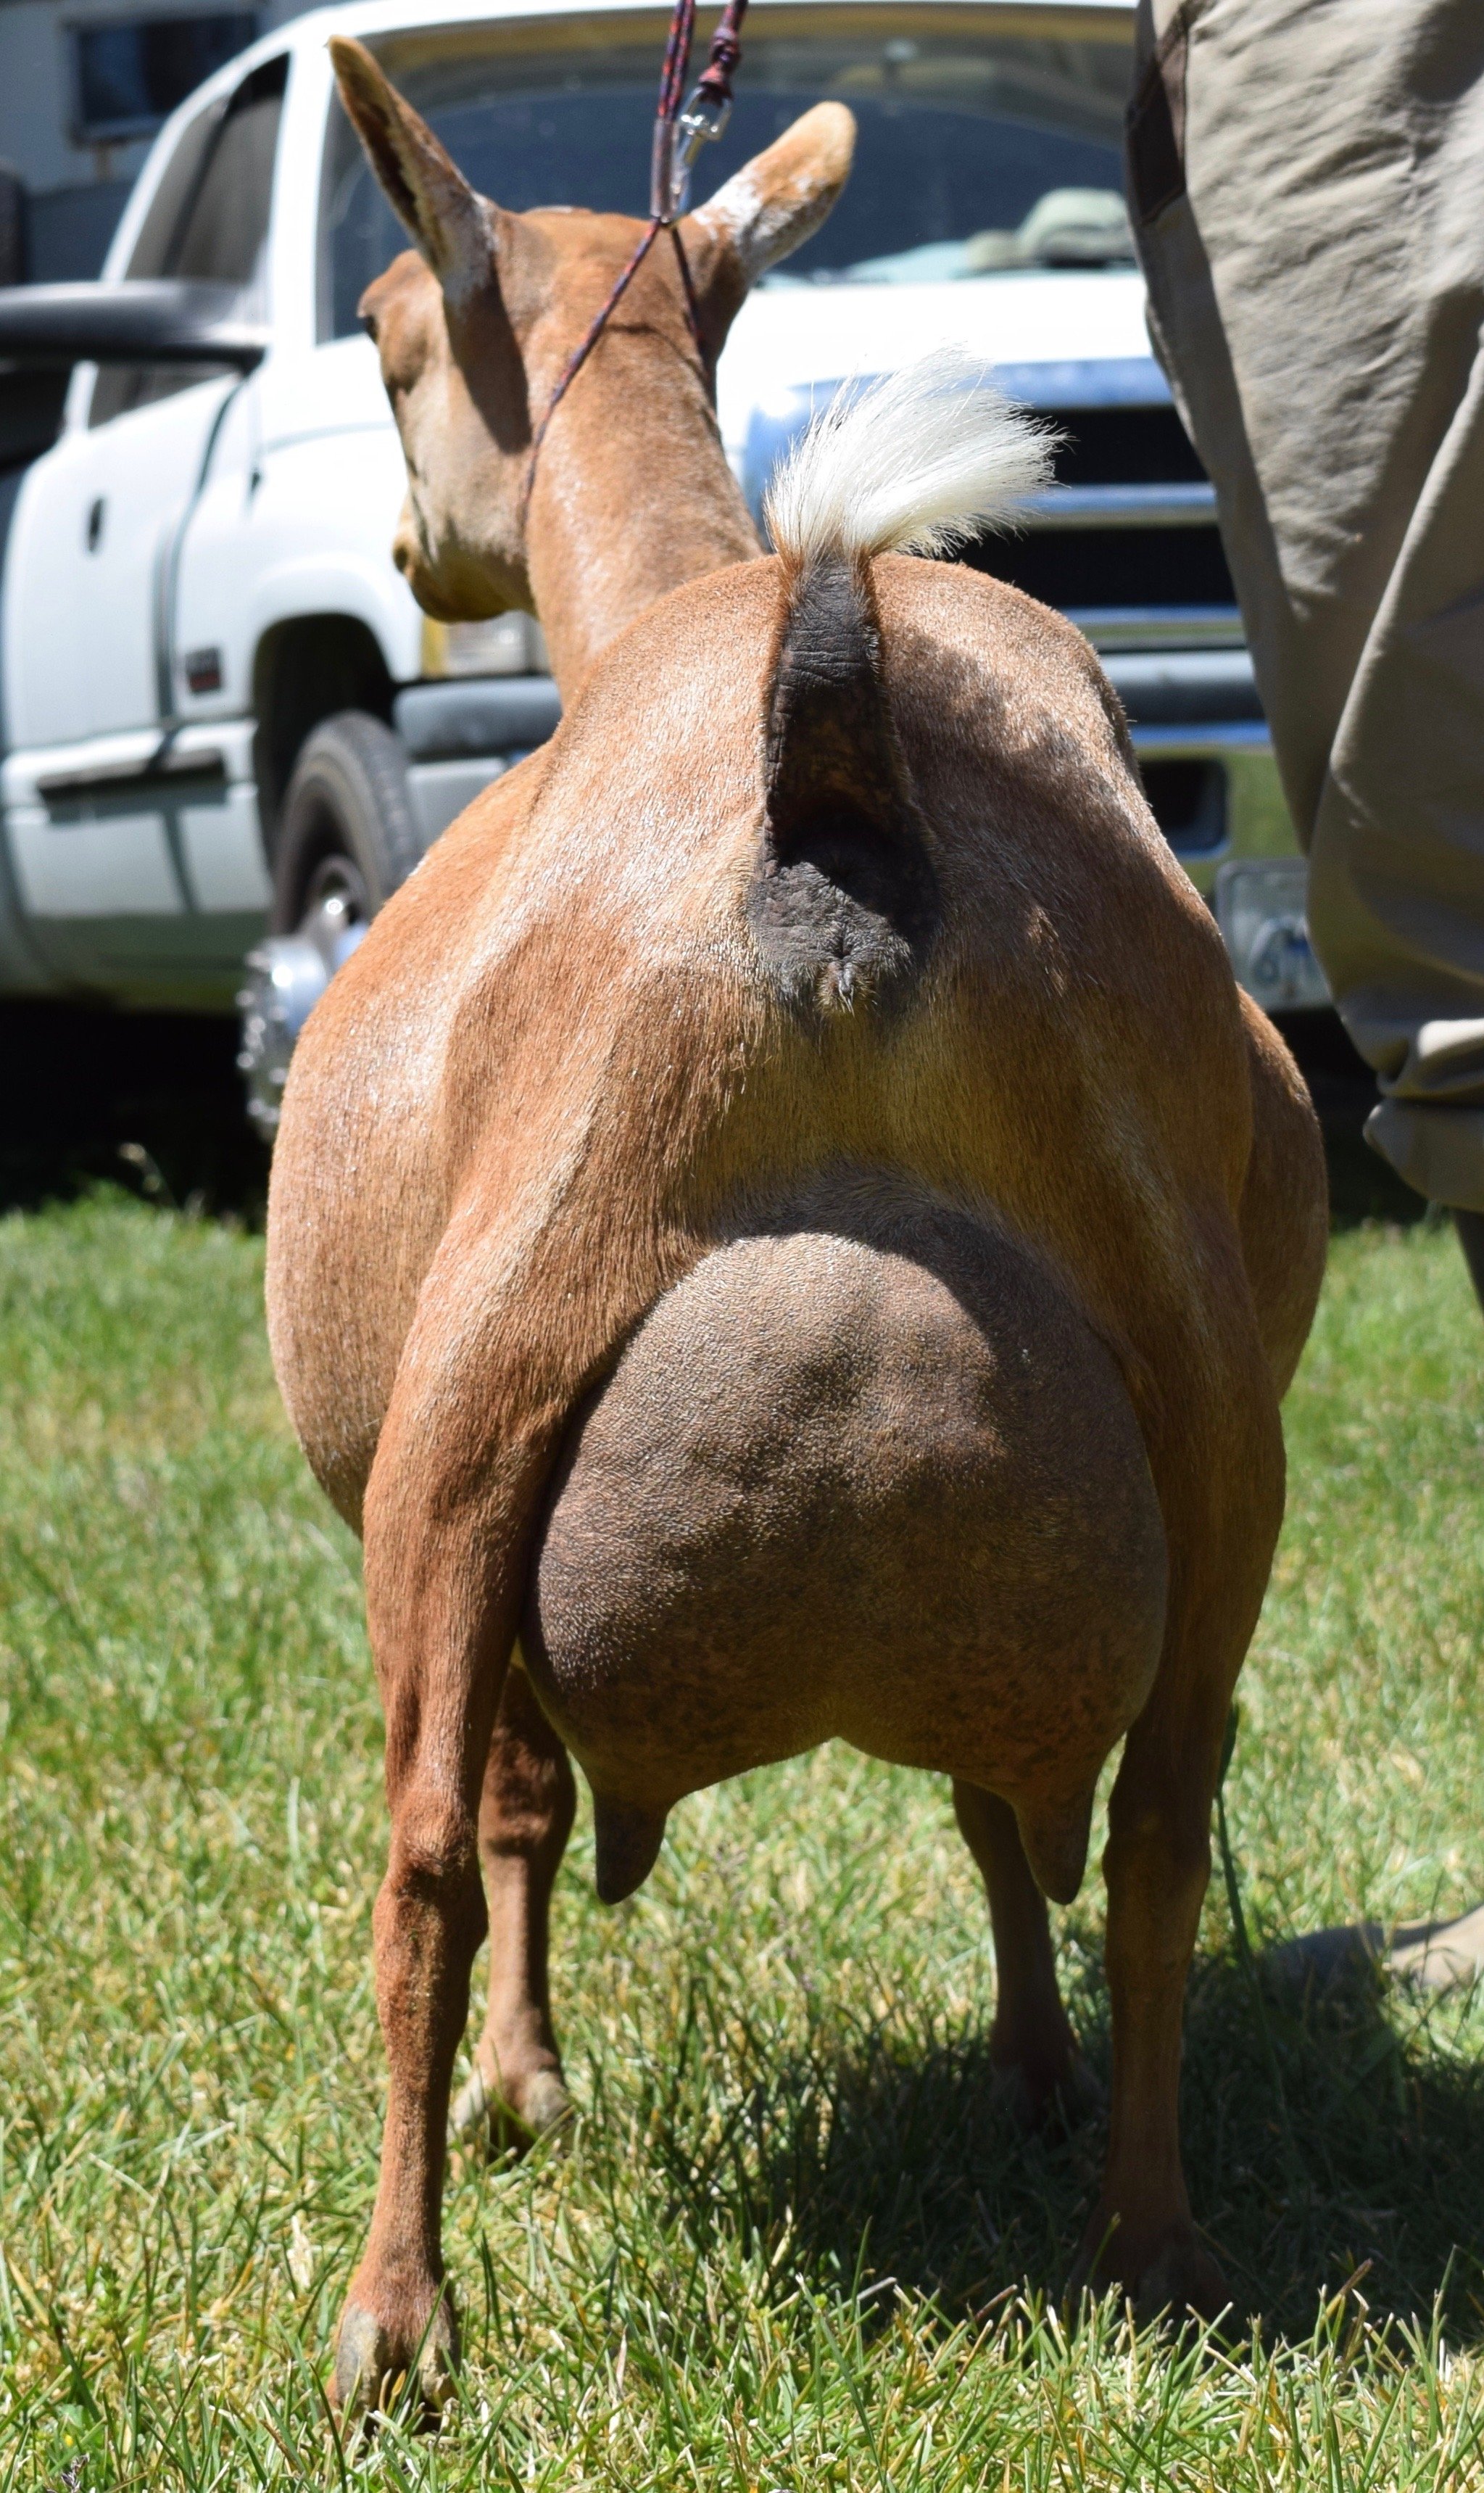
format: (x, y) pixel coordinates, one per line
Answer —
(1351, 515)
(1347, 449)
(1251, 124)
(1396, 873)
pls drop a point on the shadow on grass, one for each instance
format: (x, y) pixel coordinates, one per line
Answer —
(876, 2160)
(151, 1101)
(1361, 2161)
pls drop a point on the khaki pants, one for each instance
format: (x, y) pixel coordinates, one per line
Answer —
(1306, 180)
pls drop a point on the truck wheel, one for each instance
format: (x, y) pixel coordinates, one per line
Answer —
(348, 839)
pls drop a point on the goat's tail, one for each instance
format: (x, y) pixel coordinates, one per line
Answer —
(915, 464)
(847, 903)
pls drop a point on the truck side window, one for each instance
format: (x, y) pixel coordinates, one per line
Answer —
(208, 219)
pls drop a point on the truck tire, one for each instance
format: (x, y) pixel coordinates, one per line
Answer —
(349, 836)
(348, 839)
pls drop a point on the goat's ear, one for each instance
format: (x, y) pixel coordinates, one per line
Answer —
(446, 218)
(784, 195)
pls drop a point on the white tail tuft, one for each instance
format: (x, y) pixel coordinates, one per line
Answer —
(915, 464)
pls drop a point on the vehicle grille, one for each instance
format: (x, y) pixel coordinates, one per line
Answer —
(1088, 570)
(1123, 445)
(1132, 523)
(1126, 543)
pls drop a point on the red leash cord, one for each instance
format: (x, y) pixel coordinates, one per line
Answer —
(678, 138)
(705, 117)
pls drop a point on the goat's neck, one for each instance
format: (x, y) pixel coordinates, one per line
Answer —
(632, 497)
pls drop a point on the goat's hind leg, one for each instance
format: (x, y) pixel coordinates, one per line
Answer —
(1036, 2057)
(525, 1816)
(448, 1521)
(465, 1455)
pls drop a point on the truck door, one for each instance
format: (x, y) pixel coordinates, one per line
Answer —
(93, 533)
(100, 517)
(105, 871)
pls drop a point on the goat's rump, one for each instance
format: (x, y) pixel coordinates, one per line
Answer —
(865, 1472)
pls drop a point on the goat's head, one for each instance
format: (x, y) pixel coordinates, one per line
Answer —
(476, 327)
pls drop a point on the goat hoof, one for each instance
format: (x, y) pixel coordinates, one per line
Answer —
(526, 2109)
(1164, 2274)
(545, 2104)
(1040, 2094)
(375, 2358)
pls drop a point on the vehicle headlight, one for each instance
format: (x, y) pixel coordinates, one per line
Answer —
(506, 645)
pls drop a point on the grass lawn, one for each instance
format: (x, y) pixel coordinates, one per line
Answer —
(795, 2242)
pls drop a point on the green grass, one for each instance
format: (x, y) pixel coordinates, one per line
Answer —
(795, 2244)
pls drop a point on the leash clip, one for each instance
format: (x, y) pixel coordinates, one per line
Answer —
(703, 117)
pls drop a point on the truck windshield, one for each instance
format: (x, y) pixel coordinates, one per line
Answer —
(979, 150)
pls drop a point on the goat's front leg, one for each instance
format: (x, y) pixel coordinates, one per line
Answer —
(524, 1820)
(448, 1522)
(1035, 2054)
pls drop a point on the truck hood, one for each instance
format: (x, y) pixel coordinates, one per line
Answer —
(1049, 336)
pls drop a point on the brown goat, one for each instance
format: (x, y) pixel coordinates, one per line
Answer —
(786, 1213)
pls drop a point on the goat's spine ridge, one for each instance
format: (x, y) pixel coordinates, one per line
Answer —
(915, 464)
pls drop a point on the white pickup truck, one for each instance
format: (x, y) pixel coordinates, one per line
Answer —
(223, 716)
